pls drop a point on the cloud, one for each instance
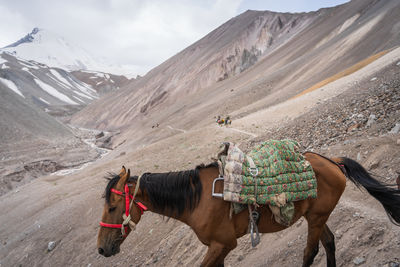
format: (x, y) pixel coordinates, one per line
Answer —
(127, 32)
(12, 26)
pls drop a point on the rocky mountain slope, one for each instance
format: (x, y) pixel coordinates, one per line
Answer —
(33, 143)
(55, 90)
(102, 82)
(263, 57)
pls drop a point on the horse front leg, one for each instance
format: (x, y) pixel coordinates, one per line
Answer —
(216, 254)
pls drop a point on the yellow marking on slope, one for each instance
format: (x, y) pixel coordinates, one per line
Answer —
(344, 73)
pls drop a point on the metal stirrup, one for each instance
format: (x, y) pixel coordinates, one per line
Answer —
(254, 234)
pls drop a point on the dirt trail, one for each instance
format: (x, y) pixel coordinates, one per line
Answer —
(237, 130)
(176, 129)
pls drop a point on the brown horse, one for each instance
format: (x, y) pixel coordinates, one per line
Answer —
(186, 196)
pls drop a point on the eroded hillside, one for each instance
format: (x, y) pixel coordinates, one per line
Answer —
(190, 89)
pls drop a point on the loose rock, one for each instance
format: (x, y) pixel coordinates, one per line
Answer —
(359, 260)
(101, 134)
(395, 129)
(371, 120)
(51, 245)
(391, 264)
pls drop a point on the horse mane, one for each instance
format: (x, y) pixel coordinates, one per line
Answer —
(169, 193)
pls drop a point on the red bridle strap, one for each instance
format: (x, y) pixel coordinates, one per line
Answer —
(141, 206)
(127, 198)
(110, 225)
(127, 195)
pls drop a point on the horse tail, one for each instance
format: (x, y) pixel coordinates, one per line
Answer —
(385, 193)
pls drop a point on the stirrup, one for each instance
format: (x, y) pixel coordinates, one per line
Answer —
(254, 234)
(217, 195)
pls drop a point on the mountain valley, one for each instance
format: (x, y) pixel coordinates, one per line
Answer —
(328, 79)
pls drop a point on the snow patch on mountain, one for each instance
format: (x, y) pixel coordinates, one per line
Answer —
(11, 85)
(44, 101)
(59, 77)
(63, 85)
(83, 95)
(50, 90)
(28, 71)
(29, 65)
(77, 98)
(85, 89)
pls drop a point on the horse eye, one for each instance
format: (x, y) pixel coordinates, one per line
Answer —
(111, 209)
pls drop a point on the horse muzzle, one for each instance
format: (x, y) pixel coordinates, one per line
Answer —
(109, 251)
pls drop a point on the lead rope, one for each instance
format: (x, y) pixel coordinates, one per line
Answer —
(253, 215)
(127, 218)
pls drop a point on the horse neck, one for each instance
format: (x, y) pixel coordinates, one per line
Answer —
(206, 176)
(143, 196)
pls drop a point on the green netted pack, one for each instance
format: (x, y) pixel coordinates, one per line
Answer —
(284, 175)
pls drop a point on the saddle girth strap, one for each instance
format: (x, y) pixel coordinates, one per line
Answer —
(254, 172)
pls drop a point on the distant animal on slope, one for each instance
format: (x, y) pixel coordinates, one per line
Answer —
(186, 196)
(224, 121)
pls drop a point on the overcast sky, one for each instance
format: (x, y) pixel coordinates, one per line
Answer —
(140, 33)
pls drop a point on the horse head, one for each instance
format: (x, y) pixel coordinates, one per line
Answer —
(120, 214)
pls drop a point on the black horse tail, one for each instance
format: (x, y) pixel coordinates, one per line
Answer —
(386, 194)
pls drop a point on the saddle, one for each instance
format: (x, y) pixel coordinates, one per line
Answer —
(274, 173)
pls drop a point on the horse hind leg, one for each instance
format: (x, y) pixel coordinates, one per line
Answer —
(315, 229)
(328, 241)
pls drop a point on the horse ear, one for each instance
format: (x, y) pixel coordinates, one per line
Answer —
(122, 172)
(124, 177)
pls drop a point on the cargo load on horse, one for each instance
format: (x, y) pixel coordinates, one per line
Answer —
(273, 173)
(273, 168)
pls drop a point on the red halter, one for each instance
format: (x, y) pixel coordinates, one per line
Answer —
(127, 198)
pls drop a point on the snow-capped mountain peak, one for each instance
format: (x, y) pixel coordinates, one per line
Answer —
(27, 39)
(49, 48)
